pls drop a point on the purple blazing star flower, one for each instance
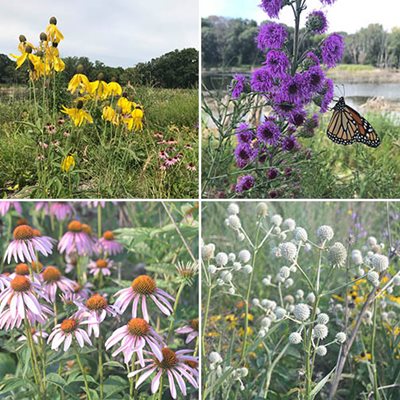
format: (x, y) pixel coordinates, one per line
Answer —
(238, 83)
(317, 22)
(314, 78)
(310, 60)
(245, 182)
(269, 133)
(282, 105)
(332, 49)
(310, 124)
(271, 36)
(244, 154)
(272, 173)
(290, 143)
(297, 117)
(328, 2)
(277, 62)
(327, 95)
(295, 89)
(244, 134)
(262, 80)
(272, 7)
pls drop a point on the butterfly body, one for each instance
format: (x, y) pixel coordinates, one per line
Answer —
(347, 126)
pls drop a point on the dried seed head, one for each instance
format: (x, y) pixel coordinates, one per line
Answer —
(22, 38)
(53, 21)
(43, 37)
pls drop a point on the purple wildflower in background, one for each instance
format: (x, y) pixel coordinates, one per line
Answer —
(277, 62)
(317, 22)
(310, 60)
(238, 83)
(328, 2)
(272, 7)
(244, 154)
(243, 133)
(261, 80)
(290, 143)
(310, 124)
(244, 183)
(272, 173)
(332, 49)
(271, 36)
(269, 133)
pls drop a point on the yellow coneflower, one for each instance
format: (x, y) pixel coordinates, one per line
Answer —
(99, 88)
(67, 163)
(363, 357)
(114, 88)
(125, 104)
(27, 55)
(110, 115)
(78, 115)
(137, 116)
(53, 33)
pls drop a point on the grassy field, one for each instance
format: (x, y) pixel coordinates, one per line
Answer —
(109, 164)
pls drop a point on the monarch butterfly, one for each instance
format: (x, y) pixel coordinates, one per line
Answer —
(348, 126)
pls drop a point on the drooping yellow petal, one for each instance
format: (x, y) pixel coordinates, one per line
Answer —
(114, 89)
(53, 33)
(21, 59)
(67, 163)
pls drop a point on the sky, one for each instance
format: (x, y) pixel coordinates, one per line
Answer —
(344, 15)
(116, 32)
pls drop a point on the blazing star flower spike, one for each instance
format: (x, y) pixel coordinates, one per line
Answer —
(143, 288)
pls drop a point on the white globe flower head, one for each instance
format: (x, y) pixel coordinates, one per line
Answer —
(266, 322)
(289, 224)
(212, 269)
(371, 241)
(284, 272)
(215, 358)
(396, 280)
(295, 338)
(361, 271)
(288, 283)
(356, 256)
(380, 262)
(288, 251)
(325, 232)
(234, 222)
(276, 220)
(244, 372)
(255, 302)
(237, 266)
(262, 209)
(300, 235)
(373, 277)
(289, 299)
(232, 257)
(277, 230)
(276, 252)
(262, 332)
(337, 254)
(244, 256)
(220, 282)
(310, 297)
(279, 279)
(280, 313)
(241, 236)
(323, 318)
(299, 294)
(226, 221)
(293, 269)
(226, 276)
(231, 290)
(301, 312)
(248, 269)
(320, 331)
(233, 209)
(341, 337)
(221, 259)
(207, 251)
(321, 351)
(267, 281)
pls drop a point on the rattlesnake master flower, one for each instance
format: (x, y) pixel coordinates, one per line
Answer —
(108, 245)
(373, 277)
(300, 234)
(289, 224)
(5, 207)
(317, 22)
(244, 256)
(221, 259)
(276, 220)
(288, 251)
(320, 331)
(233, 209)
(337, 254)
(341, 337)
(301, 312)
(284, 272)
(134, 336)
(323, 318)
(215, 358)
(321, 351)
(26, 243)
(53, 280)
(234, 222)
(175, 365)
(65, 332)
(380, 262)
(295, 338)
(325, 232)
(78, 239)
(356, 257)
(192, 330)
(101, 266)
(262, 209)
(141, 289)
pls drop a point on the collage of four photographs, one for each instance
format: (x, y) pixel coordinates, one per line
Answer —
(199, 200)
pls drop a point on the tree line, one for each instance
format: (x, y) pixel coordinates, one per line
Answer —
(176, 69)
(231, 42)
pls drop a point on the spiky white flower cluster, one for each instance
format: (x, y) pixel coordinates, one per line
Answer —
(295, 338)
(288, 251)
(301, 312)
(324, 233)
(238, 374)
(337, 254)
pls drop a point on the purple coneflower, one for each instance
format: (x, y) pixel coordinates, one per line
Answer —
(78, 240)
(176, 365)
(142, 288)
(61, 211)
(6, 205)
(191, 167)
(53, 280)
(100, 266)
(134, 336)
(192, 330)
(26, 243)
(109, 245)
(36, 336)
(4, 282)
(66, 331)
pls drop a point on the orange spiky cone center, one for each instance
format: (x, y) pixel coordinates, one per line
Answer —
(108, 235)
(101, 263)
(169, 359)
(194, 323)
(138, 327)
(37, 233)
(22, 221)
(192, 364)
(51, 274)
(87, 229)
(23, 232)
(20, 284)
(96, 302)
(69, 325)
(144, 285)
(22, 269)
(75, 226)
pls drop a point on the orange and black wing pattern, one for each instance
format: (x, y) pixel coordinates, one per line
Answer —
(348, 126)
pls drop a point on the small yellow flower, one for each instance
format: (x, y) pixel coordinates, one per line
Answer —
(110, 115)
(78, 115)
(363, 357)
(125, 105)
(114, 89)
(137, 116)
(67, 163)
(79, 81)
(53, 33)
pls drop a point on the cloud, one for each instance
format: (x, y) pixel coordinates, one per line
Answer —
(117, 32)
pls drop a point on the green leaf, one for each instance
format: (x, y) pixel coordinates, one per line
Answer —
(113, 385)
(7, 364)
(56, 379)
(320, 385)
(112, 364)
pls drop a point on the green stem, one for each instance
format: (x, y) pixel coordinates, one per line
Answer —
(99, 225)
(205, 320)
(101, 372)
(171, 324)
(160, 391)
(373, 359)
(78, 359)
(132, 380)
